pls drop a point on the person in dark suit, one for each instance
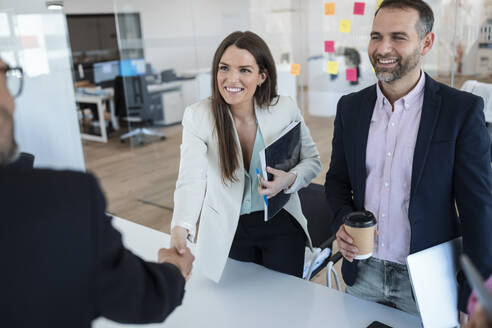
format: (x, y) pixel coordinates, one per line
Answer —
(63, 263)
(414, 152)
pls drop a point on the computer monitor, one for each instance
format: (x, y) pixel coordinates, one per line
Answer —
(132, 67)
(106, 71)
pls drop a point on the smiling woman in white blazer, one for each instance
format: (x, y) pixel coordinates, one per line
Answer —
(218, 155)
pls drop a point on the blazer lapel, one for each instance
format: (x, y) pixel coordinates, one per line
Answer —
(361, 134)
(263, 127)
(430, 113)
(267, 124)
(238, 144)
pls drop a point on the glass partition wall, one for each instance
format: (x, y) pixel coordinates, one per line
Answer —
(36, 39)
(158, 66)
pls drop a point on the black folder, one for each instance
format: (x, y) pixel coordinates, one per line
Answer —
(282, 154)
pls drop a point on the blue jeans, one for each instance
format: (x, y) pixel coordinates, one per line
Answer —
(384, 282)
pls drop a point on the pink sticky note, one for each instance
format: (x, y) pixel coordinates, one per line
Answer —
(351, 74)
(329, 46)
(359, 8)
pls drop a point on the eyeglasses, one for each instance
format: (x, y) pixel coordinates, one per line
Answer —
(14, 77)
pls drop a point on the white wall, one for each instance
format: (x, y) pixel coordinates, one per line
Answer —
(45, 117)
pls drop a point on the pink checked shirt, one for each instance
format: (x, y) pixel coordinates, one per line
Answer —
(389, 157)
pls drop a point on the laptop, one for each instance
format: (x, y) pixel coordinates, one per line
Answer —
(433, 277)
(478, 285)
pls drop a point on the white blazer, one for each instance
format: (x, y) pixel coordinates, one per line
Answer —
(200, 192)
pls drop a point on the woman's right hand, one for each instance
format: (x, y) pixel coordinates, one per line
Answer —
(178, 239)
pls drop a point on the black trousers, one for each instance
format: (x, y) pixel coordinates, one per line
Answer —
(278, 244)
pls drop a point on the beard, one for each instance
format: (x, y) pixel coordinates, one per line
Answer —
(8, 146)
(403, 66)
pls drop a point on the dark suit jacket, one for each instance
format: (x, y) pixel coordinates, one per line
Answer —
(25, 160)
(63, 264)
(451, 164)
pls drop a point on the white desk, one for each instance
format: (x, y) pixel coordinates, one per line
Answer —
(286, 82)
(164, 86)
(100, 99)
(324, 93)
(252, 296)
(174, 103)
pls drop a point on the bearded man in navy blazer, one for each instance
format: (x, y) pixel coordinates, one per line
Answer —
(414, 152)
(63, 263)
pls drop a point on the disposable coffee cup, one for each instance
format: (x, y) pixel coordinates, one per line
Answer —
(360, 226)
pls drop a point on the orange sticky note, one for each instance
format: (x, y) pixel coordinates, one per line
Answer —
(351, 74)
(329, 46)
(295, 69)
(329, 8)
(345, 25)
(359, 8)
(379, 2)
(332, 67)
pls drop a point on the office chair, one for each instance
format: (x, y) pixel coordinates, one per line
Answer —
(168, 75)
(132, 101)
(319, 217)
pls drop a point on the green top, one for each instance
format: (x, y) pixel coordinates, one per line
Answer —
(252, 200)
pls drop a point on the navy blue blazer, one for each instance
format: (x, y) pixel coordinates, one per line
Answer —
(451, 165)
(62, 262)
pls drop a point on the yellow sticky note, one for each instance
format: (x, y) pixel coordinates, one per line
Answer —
(379, 2)
(329, 8)
(332, 67)
(295, 69)
(345, 25)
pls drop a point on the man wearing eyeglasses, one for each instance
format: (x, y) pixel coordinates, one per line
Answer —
(12, 80)
(63, 264)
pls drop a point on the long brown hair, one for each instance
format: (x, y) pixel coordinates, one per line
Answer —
(264, 96)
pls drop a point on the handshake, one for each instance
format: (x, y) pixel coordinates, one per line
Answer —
(178, 255)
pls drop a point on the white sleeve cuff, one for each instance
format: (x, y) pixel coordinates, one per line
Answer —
(187, 226)
(295, 185)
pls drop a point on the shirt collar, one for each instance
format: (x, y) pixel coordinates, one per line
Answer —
(409, 98)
